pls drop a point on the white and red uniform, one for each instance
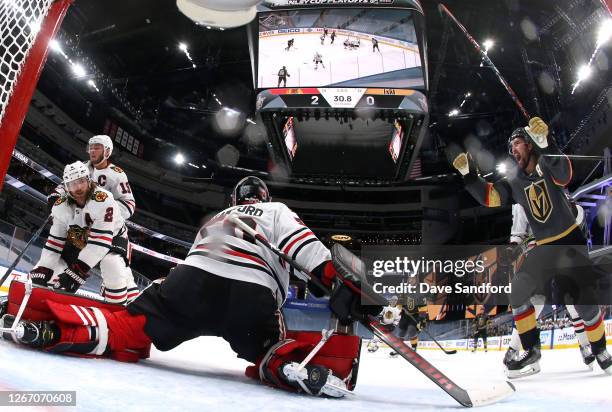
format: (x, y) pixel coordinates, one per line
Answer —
(91, 229)
(224, 251)
(114, 179)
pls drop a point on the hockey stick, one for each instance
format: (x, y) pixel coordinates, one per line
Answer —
(443, 9)
(448, 352)
(462, 396)
(18, 258)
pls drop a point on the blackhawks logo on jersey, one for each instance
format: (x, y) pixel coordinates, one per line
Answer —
(59, 201)
(117, 169)
(78, 236)
(99, 196)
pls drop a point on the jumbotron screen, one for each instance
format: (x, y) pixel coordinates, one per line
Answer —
(338, 48)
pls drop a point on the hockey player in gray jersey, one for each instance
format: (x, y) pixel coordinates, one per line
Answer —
(537, 184)
(521, 236)
(228, 286)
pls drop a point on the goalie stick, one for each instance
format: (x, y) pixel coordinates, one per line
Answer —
(25, 248)
(444, 10)
(465, 398)
(448, 352)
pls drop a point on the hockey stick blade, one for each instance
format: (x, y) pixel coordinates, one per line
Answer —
(499, 390)
(477, 397)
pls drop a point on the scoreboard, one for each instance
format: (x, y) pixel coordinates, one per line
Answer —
(342, 98)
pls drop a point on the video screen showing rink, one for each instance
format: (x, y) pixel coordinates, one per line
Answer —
(338, 47)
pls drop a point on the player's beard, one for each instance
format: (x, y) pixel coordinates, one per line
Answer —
(80, 196)
(97, 160)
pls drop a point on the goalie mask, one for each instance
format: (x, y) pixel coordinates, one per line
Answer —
(251, 189)
(76, 175)
(105, 141)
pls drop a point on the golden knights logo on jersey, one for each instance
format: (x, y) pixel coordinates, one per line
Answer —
(410, 304)
(539, 202)
(78, 236)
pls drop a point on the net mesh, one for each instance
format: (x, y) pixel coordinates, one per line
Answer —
(20, 21)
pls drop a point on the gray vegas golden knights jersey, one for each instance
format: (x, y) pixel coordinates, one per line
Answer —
(224, 250)
(541, 194)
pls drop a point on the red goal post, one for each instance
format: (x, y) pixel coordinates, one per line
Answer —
(26, 27)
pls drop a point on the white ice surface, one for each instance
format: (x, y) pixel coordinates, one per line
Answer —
(340, 64)
(205, 375)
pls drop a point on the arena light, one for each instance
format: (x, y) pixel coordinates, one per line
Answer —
(488, 44)
(91, 83)
(453, 112)
(249, 120)
(501, 168)
(179, 159)
(55, 46)
(604, 33)
(78, 70)
(185, 49)
(584, 72)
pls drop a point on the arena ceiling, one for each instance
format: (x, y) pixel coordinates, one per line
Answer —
(133, 45)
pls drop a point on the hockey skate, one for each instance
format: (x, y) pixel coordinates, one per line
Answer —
(511, 354)
(587, 356)
(315, 380)
(525, 365)
(605, 361)
(35, 334)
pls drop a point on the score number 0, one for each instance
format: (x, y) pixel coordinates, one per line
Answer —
(314, 100)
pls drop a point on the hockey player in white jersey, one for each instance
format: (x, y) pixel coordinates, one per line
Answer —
(112, 178)
(316, 59)
(228, 286)
(109, 176)
(390, 316)
(106, 175)
(520, 234)
(89, 220)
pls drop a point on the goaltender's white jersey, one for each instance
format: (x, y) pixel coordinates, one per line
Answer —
(114, 179)
(224, 250)
(90, 228)
(391, 315)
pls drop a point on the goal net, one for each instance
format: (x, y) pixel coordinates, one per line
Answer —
(26, 26)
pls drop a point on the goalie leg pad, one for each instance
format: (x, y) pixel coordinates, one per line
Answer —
(340, 354)
(118, 334)
(89, 327)
(37, 308)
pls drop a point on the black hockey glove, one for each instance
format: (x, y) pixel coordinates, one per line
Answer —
(41, 275)
(348, 306)
(73, 277)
